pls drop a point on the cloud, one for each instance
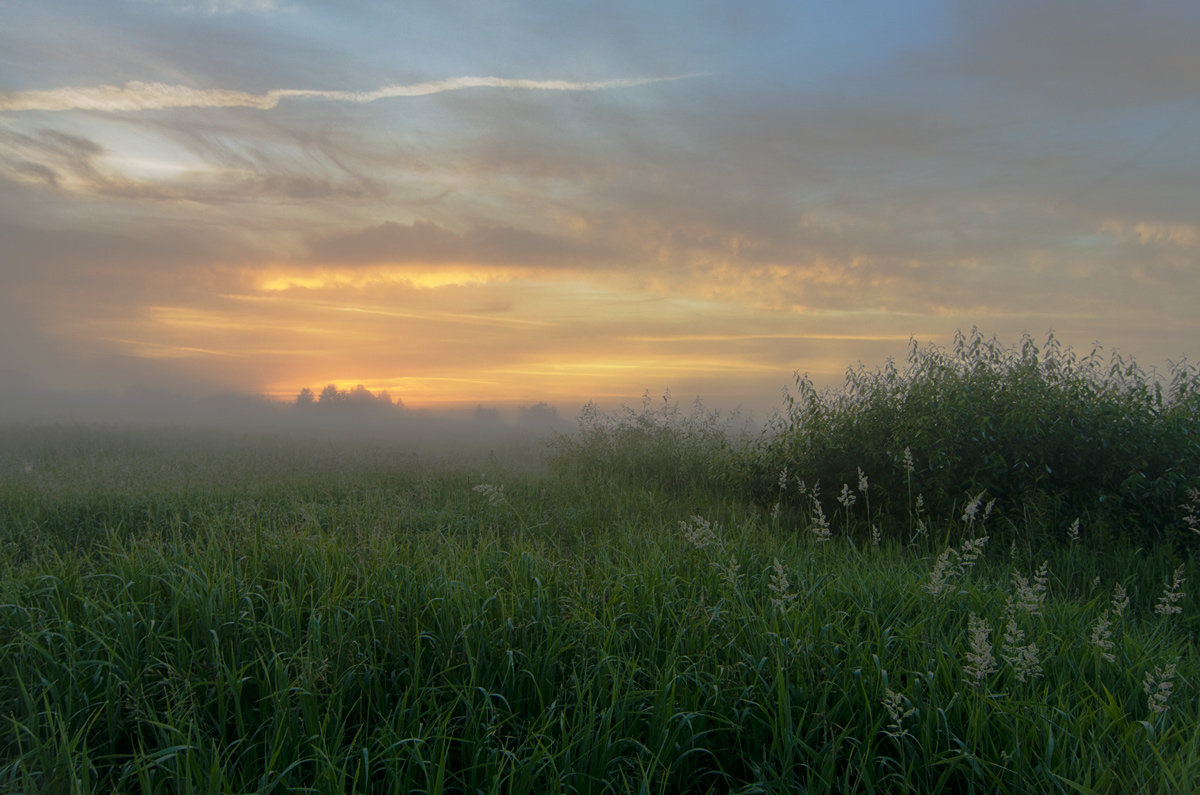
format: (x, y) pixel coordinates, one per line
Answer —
(182, 162)
(139, 96)
(1080, 55)
(426, 242)
(211, 7)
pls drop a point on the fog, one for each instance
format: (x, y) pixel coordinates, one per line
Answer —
(513, 436)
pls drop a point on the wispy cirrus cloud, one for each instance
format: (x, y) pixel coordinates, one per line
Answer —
(137, 95)
(215, 7)
(222, 6)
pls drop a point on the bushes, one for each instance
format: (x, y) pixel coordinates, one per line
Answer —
(1044, 432)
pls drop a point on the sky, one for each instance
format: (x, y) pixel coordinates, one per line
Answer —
(486, 202)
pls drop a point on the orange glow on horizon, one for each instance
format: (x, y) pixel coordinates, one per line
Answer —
(567, 382)
(455, 336)
(281, 279)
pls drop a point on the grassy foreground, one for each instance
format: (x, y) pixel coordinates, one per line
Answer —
(189, 613)
(385, 628)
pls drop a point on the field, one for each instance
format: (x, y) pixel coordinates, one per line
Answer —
(864, 596)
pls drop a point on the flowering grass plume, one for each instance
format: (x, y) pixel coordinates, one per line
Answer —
(1021, 656)
(980, 660)
(943, 570)
(1191, 510)
(972, 509)
(1168, 603)
(777, 509)
(699, 532)
(954, 563)
(731, 572)
(847, 498)
(919, 527)
(820, 525)
(1158, 686)
(898, 709)
(1120, 600)
(1030, 596)
(493, 493)
(1102, 636)
(969, 552)
(782, 596)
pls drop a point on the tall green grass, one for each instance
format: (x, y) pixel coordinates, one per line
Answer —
(473, 653)
(656, 445)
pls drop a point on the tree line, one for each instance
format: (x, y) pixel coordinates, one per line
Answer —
(361, 401)
(358, 399)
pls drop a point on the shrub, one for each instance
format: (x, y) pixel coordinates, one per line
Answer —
(1041, 430)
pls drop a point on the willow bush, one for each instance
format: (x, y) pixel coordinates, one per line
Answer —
(1049, 435)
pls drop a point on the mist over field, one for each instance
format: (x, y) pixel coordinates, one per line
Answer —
(174, 428)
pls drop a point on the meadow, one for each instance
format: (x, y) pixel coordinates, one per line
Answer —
(970, 572)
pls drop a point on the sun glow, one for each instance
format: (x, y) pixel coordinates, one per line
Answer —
(425, 277)
(415, 332)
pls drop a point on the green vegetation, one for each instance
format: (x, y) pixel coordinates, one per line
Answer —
(1050, 436)
(662, 609)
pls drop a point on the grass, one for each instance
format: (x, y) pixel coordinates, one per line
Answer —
(187, 612)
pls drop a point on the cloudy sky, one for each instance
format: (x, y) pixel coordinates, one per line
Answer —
(487, 201)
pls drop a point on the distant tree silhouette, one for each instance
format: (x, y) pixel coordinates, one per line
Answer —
(360, 398)
(358, 401)
(331, 396)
